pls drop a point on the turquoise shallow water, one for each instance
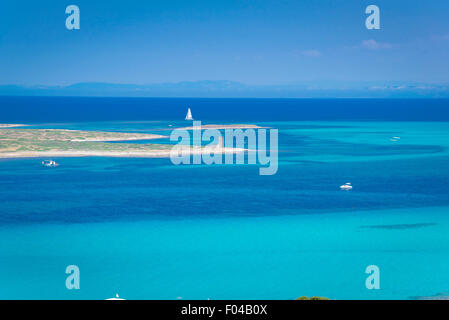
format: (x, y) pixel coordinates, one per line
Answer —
(150, 230)
(239, 258)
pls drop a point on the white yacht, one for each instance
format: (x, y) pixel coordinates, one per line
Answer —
(189, 115)
(50, 163)
(346, 186)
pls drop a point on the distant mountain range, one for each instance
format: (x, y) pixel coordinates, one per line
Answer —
(232, 89)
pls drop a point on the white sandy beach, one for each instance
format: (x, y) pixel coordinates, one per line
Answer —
(12, 125)
(124, 154)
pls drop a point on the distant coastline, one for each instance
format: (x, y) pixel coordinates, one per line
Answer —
(235, 89)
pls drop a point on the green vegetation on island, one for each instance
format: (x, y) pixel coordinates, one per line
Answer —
(59, 142)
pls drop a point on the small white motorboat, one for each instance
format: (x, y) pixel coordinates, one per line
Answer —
(346, 186)
(50, 163)
(116, 297)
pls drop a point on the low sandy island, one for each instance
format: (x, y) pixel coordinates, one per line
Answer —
(225, 126)
(12, 125)
(39, 143)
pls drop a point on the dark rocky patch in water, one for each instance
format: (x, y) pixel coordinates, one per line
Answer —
(400, 226)
(438, 296)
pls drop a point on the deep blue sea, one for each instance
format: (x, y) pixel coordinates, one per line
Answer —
(147, 229)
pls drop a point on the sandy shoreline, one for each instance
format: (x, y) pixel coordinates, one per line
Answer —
(119, 154)
(73, 154)
(12, 125)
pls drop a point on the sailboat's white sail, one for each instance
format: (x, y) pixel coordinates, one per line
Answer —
(189, 115)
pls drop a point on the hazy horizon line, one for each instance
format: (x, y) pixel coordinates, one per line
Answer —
(235, 89)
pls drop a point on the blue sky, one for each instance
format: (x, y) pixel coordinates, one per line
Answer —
(254, 42)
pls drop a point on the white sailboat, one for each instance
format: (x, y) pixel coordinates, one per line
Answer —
(189, 115)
